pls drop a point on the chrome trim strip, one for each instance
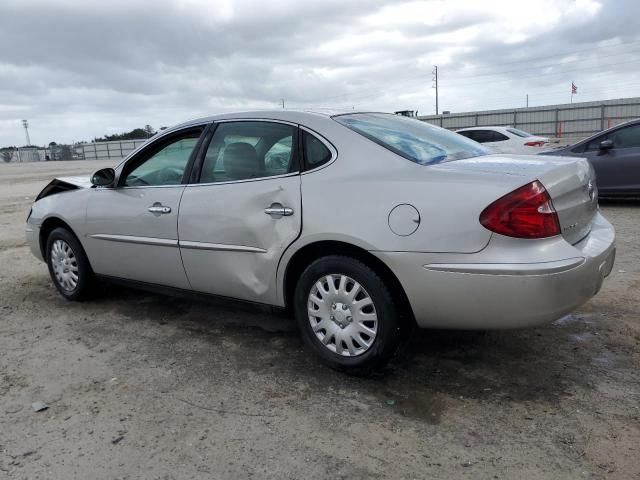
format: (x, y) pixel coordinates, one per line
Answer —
(540, 268)
(219, 247)
(245, 180)
(161, 242)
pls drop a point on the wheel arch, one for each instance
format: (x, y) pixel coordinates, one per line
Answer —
(311, 252)
(48, 226)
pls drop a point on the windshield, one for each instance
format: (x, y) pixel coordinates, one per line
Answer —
(410, 138)
(519, 133)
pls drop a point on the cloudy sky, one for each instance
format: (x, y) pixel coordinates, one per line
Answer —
(81, 69)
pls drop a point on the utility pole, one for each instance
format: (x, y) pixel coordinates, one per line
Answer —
(435, 84)
(25, 124)
(283, 103)
(527, 100)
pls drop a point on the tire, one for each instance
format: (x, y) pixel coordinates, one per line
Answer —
(68, 265)
(336, 332)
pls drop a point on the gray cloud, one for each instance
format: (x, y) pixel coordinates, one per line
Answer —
(82, 69)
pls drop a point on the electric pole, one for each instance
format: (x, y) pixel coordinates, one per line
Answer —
(25, 124)
(283, 103)
(435, 84)
(527, 100)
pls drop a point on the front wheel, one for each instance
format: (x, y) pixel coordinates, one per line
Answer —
(68, 265)
(347, 314)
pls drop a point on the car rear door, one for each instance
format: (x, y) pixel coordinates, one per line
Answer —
(132, 228)
(243, 210)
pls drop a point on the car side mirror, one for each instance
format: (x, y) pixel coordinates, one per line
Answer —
(606, 145)
(104, 178)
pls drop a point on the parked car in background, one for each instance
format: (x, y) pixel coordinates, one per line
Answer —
(362, 224)
(615, 156)
(505, 139)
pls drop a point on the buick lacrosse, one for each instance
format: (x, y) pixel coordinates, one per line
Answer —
(361, 224)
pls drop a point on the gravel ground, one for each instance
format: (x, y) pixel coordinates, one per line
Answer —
(145, 386)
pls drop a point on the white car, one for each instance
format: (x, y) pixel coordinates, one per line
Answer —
(506, 139)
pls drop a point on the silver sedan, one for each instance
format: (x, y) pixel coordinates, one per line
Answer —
(362, 224)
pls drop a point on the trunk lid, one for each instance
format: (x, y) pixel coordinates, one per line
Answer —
(570, 182)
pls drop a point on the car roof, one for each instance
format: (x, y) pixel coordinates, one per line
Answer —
(482, 127)
(292, 115)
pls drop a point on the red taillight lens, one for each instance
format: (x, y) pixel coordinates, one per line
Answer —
(524, 213)
(535, 144)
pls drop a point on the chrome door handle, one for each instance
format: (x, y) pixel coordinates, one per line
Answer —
(277, 210)
(159, 209)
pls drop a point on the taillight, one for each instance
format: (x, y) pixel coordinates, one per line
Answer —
(524, 213)
(537, 143)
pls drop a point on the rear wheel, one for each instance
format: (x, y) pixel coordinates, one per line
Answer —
(68, 265)
(347, 314)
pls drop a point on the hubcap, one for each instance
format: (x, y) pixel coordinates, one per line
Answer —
(342, 315)
(65, 265)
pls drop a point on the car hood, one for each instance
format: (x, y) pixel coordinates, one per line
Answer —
(64, 184)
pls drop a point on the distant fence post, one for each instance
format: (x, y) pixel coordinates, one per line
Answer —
(476, 117)
(515, 119)
(602, 117)
(558, 127)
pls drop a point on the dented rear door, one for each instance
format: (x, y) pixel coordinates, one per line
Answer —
(233, 230)
(229, 245)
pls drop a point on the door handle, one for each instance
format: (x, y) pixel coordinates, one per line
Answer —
(159, 209)
(277, 210)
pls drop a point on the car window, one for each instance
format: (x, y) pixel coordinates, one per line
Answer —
(496, 136)
(519, 133)
(164, 167)
(316, 153)
(410, 138)
(627, 137)
(484, 136)
(246, 150)
(595, 143)
(472, 134)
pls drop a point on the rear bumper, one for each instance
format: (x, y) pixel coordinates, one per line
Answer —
(510, 284)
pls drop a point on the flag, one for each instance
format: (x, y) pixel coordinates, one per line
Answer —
(574, 88)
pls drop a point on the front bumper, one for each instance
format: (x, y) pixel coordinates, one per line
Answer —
(32, 235)
(512, 283)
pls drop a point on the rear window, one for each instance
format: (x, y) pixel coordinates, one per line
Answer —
(519, 133)
(412, 139)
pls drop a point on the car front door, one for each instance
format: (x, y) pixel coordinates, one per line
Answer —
(243, 212)
(617, 168)
(132, 228)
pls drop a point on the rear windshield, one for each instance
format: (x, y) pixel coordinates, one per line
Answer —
(519, 133)
(410, 138)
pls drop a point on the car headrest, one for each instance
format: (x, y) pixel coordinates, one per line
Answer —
(240, 161)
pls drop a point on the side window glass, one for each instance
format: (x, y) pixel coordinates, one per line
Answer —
(315, 152)
(627, 137)
(278, 158)
(497, 136)
(594, 144)
(483, 136)
(164, 167)
(469, 134)
(247, 150)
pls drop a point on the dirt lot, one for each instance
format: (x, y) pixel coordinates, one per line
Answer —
(145, 386)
